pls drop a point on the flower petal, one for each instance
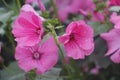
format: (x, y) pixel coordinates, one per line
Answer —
(116, 57)
(64, 38)
(22, 53)
(113, 40)
(73, 50)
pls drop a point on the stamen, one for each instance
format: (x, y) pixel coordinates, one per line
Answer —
(36, 55)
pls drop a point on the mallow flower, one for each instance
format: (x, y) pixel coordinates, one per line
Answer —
(66, 7)
(78, 40)
(27, 28)
(41, 57)
(113, 42)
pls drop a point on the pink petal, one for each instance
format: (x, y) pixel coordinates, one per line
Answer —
(28, 40)
(22, 53)
(117, 25)
(114, 2)
(49, 60)
(113, 40)
(64, 38)
(116, 57)
(50, 56)
(63, 16)
(27, 64)
(73, 50)
(39, 68)
(49, 46)
(115, 19)
(86, 44)
(28, 8)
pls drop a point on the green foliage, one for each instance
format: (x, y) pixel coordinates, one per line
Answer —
(99, 27)
(52, 74)
(4, 17)
(12, 72)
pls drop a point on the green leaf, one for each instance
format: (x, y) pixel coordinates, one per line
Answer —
(12, 72)
(98, 56)
(52, 74)
(4, 17)
(99, 27)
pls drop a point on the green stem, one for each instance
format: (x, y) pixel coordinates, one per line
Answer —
(55, 10)
(19, 5)
(5, 3)
(62, 54)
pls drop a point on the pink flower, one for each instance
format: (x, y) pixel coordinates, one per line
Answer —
(97, 16)
(66, 7)
(27, 28)
(78, 40)
(114, 2)
(113, 40)
(39, 57)
(63, 7)
(115, 19)
(86, 6)
(116, 56)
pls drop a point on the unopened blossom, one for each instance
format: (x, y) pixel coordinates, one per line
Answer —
(27, 28)
(66, 7)
(95, 70)
(78, 40)
(40, 4)
(115, 19)
(39, 57)
(113, 42)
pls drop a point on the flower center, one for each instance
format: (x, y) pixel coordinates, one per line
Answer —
(36, 55)
(72, 37)
(38, 31)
